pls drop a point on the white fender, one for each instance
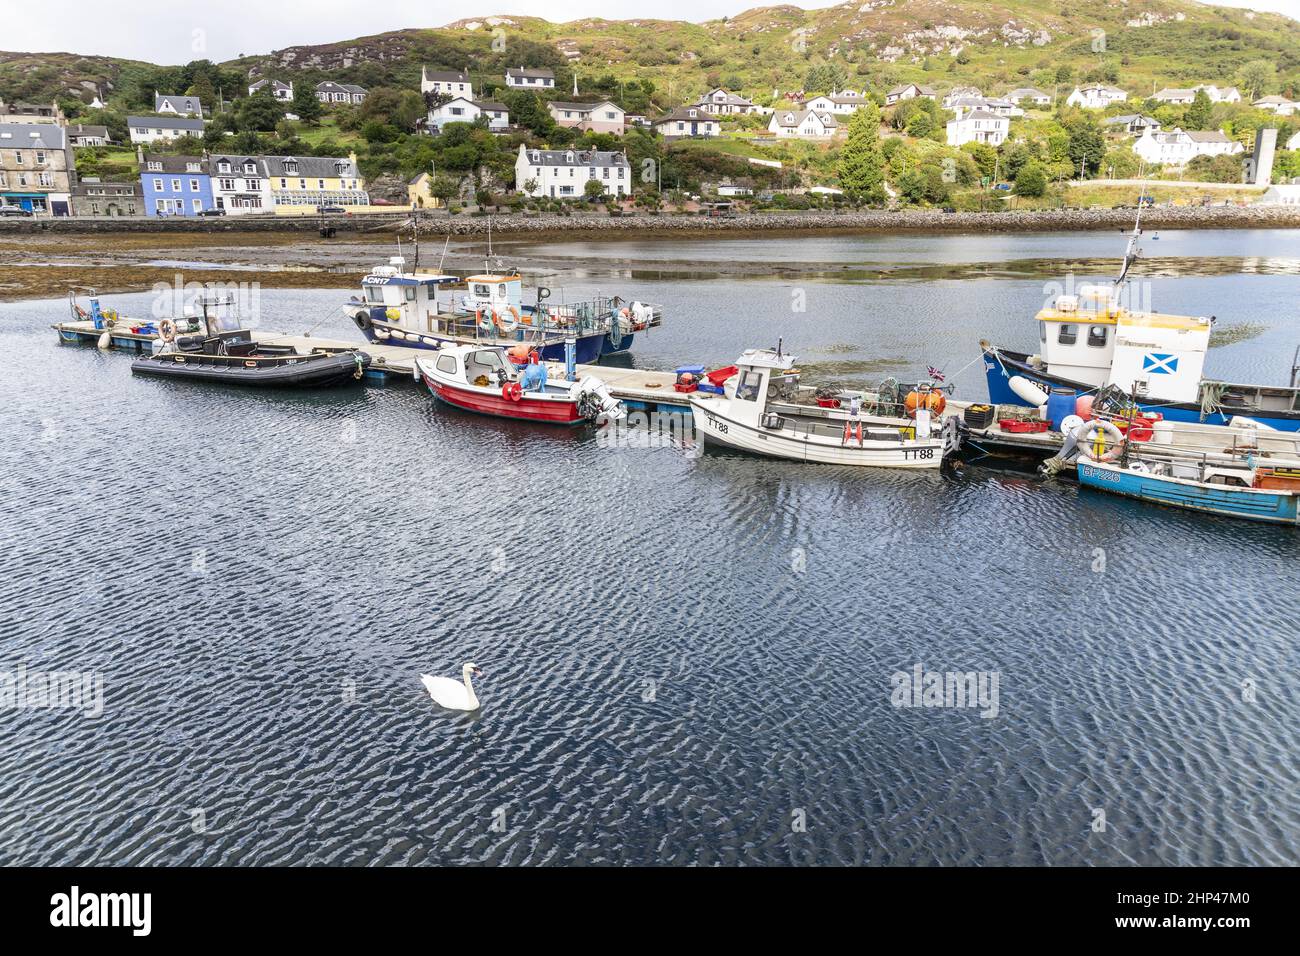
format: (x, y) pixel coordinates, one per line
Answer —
(1027, 391)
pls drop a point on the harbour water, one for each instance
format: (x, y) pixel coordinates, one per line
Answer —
(690, 658)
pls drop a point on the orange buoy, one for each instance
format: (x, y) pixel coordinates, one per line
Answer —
(934, 401)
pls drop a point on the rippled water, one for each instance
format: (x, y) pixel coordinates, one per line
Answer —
(688, 658)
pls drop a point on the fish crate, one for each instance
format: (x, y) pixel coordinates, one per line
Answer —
(980, 416)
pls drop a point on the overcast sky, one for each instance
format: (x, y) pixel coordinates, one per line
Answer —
(182, 30)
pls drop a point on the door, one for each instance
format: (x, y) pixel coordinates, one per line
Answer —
(59, 207)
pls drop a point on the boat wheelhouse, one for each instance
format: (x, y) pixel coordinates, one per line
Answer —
(403, 308)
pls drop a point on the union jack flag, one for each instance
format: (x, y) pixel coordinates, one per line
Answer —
(935, 373)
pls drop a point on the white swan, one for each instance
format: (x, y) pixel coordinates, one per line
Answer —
(447, 693)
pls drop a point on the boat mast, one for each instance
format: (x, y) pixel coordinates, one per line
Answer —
(1131, 251)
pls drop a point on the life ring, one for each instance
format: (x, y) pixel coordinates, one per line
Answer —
(502, 324)
(1094, 444)
(167, 330)
(362, 319)
(512, 391)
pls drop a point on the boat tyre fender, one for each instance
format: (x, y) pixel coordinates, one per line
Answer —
(167, 330)
(512, 391)
(1101, 440)
(362, 319)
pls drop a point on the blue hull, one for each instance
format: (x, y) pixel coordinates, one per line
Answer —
(1234, 502)
(589, 347)
(607, 346)
(999, 374)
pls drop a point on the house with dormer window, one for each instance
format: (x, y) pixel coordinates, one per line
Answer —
(240, 184)
(803, 124)
(564, 174)
(169, 105)
(301, 184)
(283, 92)
(687, 121)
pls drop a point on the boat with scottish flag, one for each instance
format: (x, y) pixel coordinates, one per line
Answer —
(1090, 343)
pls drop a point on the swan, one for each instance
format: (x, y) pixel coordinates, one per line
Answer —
(447, 693)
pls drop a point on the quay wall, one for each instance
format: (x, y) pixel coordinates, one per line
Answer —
(1064, 220)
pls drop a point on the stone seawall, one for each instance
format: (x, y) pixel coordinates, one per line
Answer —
(1213, 217)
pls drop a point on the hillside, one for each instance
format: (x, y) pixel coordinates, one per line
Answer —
(1163, 42)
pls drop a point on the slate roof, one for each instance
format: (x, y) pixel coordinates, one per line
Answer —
(581, 157)
(166, 122)
(181, 104)
(32, 136)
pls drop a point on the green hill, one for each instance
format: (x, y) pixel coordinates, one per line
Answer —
(760, 51)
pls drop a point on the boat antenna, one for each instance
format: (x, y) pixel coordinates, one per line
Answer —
(486, 265)
(443, 258)
(1131, 251)
(415, 238)
(778, 346)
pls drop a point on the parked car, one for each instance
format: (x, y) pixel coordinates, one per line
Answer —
(14, 211)
(330, 209)
(212, 212)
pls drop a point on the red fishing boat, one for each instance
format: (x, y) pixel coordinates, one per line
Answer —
(479, 379)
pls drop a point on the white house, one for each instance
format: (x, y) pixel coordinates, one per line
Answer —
(1177, 147)
(1135, 124)
(330, 92)
(446, 83)
(177, 105)
(281, 91)
(840, 104)
(1175, 96)
(1280, 196)
(602, 117)
(1095, 96)
(458, 109)
(240, 184)
(520, 79)
(1293, 142)
(994, 105)
(1276, 104)
(150, 129)
(722, 102)
(1179, 96)
(908, 91)
(978, 126)
(564, 174)
(687, 121)
(83, 135)
(803, 124)
(1034, 96)
(959, 93)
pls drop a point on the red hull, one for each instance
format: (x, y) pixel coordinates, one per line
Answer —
(526, 409)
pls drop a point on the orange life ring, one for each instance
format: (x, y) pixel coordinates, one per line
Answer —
(167, 330)
(512, 391)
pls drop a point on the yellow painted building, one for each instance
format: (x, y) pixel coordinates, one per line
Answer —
(300, 184)
(417, 192)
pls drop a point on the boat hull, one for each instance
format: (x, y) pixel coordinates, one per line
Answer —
(1253, 504)
(309, 372)
(589, 348)
(717, 429)
(545, 411)
(1000, 365)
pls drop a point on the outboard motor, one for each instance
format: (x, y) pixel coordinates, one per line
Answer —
(595, 402)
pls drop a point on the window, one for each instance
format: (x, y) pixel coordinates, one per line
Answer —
(18, 156)
(155, 167)
(157, 185)
(1068, 334)
(194, 185)
(447, 364)
(223, 167)
(374, 293)
(1042, 332)
(747, 388)
(197, 205)
(176, 185)
(40, 157)
(1097, 336)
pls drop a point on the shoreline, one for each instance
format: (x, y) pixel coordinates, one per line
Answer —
(642, 224)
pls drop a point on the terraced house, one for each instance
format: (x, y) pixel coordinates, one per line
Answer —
(564, 174)
(301, 184)
(240, 184)
(174, 185)
(36, 168)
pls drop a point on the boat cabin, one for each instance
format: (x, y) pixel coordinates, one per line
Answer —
(481, 367)
(408, 299)
(759, 370)
(1090, 338)
(494, 294)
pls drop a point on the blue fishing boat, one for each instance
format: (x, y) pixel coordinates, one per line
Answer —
(404, 308)
(1090, 343)
(1239, 489)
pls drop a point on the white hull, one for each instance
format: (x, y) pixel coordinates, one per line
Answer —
(715, 426)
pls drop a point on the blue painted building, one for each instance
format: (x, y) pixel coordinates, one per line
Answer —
(175, 185)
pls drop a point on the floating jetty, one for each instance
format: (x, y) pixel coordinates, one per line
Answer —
(653, 391)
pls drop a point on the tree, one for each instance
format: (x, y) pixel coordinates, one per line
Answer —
(258, 113)
(861, 166)
(442, 188)
(1198, 113)
(1031, 181)
(1087, 145)
(1257, 78)
(305, 105)
(593, 190)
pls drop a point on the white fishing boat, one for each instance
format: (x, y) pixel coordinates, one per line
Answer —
(760, 412)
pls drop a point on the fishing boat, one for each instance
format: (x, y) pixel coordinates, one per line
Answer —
(1090, 342)
(404, 308)
(760, 411)
(223, 352)
(480, 379)
(1243, 489)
